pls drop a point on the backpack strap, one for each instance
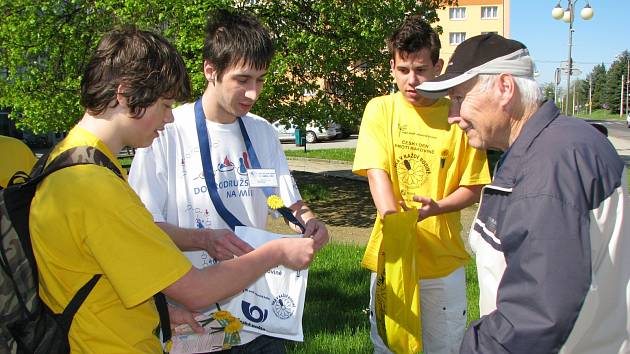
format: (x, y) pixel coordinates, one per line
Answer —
(82, 155)
(66, 317)
(165, 321)
(79, 155)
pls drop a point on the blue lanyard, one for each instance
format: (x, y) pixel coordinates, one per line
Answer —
(206, 162)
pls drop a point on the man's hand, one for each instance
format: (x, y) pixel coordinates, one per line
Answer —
(428, 207)
(316, 230)
(223, 244)
(179, 316)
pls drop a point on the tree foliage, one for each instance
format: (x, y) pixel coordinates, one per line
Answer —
(598, 81)
(46, 45)
(549, 90)
(332, 50)
(612, 89)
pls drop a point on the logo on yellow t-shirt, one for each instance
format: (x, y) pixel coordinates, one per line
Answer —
(412, 172)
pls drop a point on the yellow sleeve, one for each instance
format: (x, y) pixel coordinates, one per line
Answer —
(474, 165)
(373, 144)
(136, 256)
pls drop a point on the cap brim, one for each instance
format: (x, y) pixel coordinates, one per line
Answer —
(439, 86)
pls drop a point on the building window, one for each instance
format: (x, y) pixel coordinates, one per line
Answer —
(489, 12)
(456, 38)
(457, 13)
(495, 32)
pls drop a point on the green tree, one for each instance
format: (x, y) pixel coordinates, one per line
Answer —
(329, 49)
(331, 56)
(549, 90)
(598, 82)
(46, 44)
(581, 95)
(614, 75)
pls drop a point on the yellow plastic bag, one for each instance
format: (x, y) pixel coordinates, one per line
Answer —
(397, 303)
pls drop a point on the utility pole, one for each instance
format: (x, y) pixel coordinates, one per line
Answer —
(573, 104)
(570, 61)
(621, 98)
(557, 82)
(627, 84)
(568, 16)
(590, 97)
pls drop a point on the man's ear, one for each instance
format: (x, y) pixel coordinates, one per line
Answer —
(209, 71)
(506, 88)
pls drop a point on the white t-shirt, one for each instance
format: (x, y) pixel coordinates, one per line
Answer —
(168, 176)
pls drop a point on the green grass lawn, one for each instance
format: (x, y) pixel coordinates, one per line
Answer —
(345, 154)
(600, 114)
(314, 192)
(335, 315)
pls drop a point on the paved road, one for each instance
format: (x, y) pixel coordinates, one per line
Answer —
(619, 136)
(618, 133)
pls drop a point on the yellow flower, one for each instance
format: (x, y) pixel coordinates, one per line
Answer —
(234, 326)
(222, 315)
(274, 202)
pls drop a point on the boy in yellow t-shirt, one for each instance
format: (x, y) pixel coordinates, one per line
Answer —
(411, 155)
(85, 220)
(15, 156)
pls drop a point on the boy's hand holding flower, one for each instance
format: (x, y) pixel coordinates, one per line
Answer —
(312, 227)
(274, 202)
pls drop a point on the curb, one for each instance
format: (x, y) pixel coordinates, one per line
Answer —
(340, 162)
(344, 171)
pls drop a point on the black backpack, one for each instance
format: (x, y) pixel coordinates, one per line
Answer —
(27, 325)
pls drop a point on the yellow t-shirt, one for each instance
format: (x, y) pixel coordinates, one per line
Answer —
(14, 156)
(425, 156)
(85, 220)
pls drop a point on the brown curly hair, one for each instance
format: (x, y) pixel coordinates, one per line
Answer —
(145, 64)
(234, 38)
(413, 35)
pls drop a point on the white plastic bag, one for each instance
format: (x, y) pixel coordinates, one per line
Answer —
(274, 304)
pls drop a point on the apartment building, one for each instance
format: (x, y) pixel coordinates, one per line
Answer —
(471, 18)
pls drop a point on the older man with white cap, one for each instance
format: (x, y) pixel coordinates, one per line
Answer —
(552, 234)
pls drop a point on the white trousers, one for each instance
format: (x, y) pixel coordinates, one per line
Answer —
(443, 314)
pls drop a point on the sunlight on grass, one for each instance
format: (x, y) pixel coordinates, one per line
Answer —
(472, 292)
(338, 293)
(344, 154)
(313, 192)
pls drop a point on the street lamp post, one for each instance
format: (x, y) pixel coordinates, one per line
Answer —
(567, 16)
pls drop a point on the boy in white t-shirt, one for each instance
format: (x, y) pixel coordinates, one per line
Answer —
(85, 221)
(196, 178)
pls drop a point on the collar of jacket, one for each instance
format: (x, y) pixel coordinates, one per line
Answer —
(505, 177)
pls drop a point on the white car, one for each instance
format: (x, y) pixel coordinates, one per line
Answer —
(313, 133)
(628, 120)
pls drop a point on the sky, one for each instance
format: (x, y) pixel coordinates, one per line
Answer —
(599, 40)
